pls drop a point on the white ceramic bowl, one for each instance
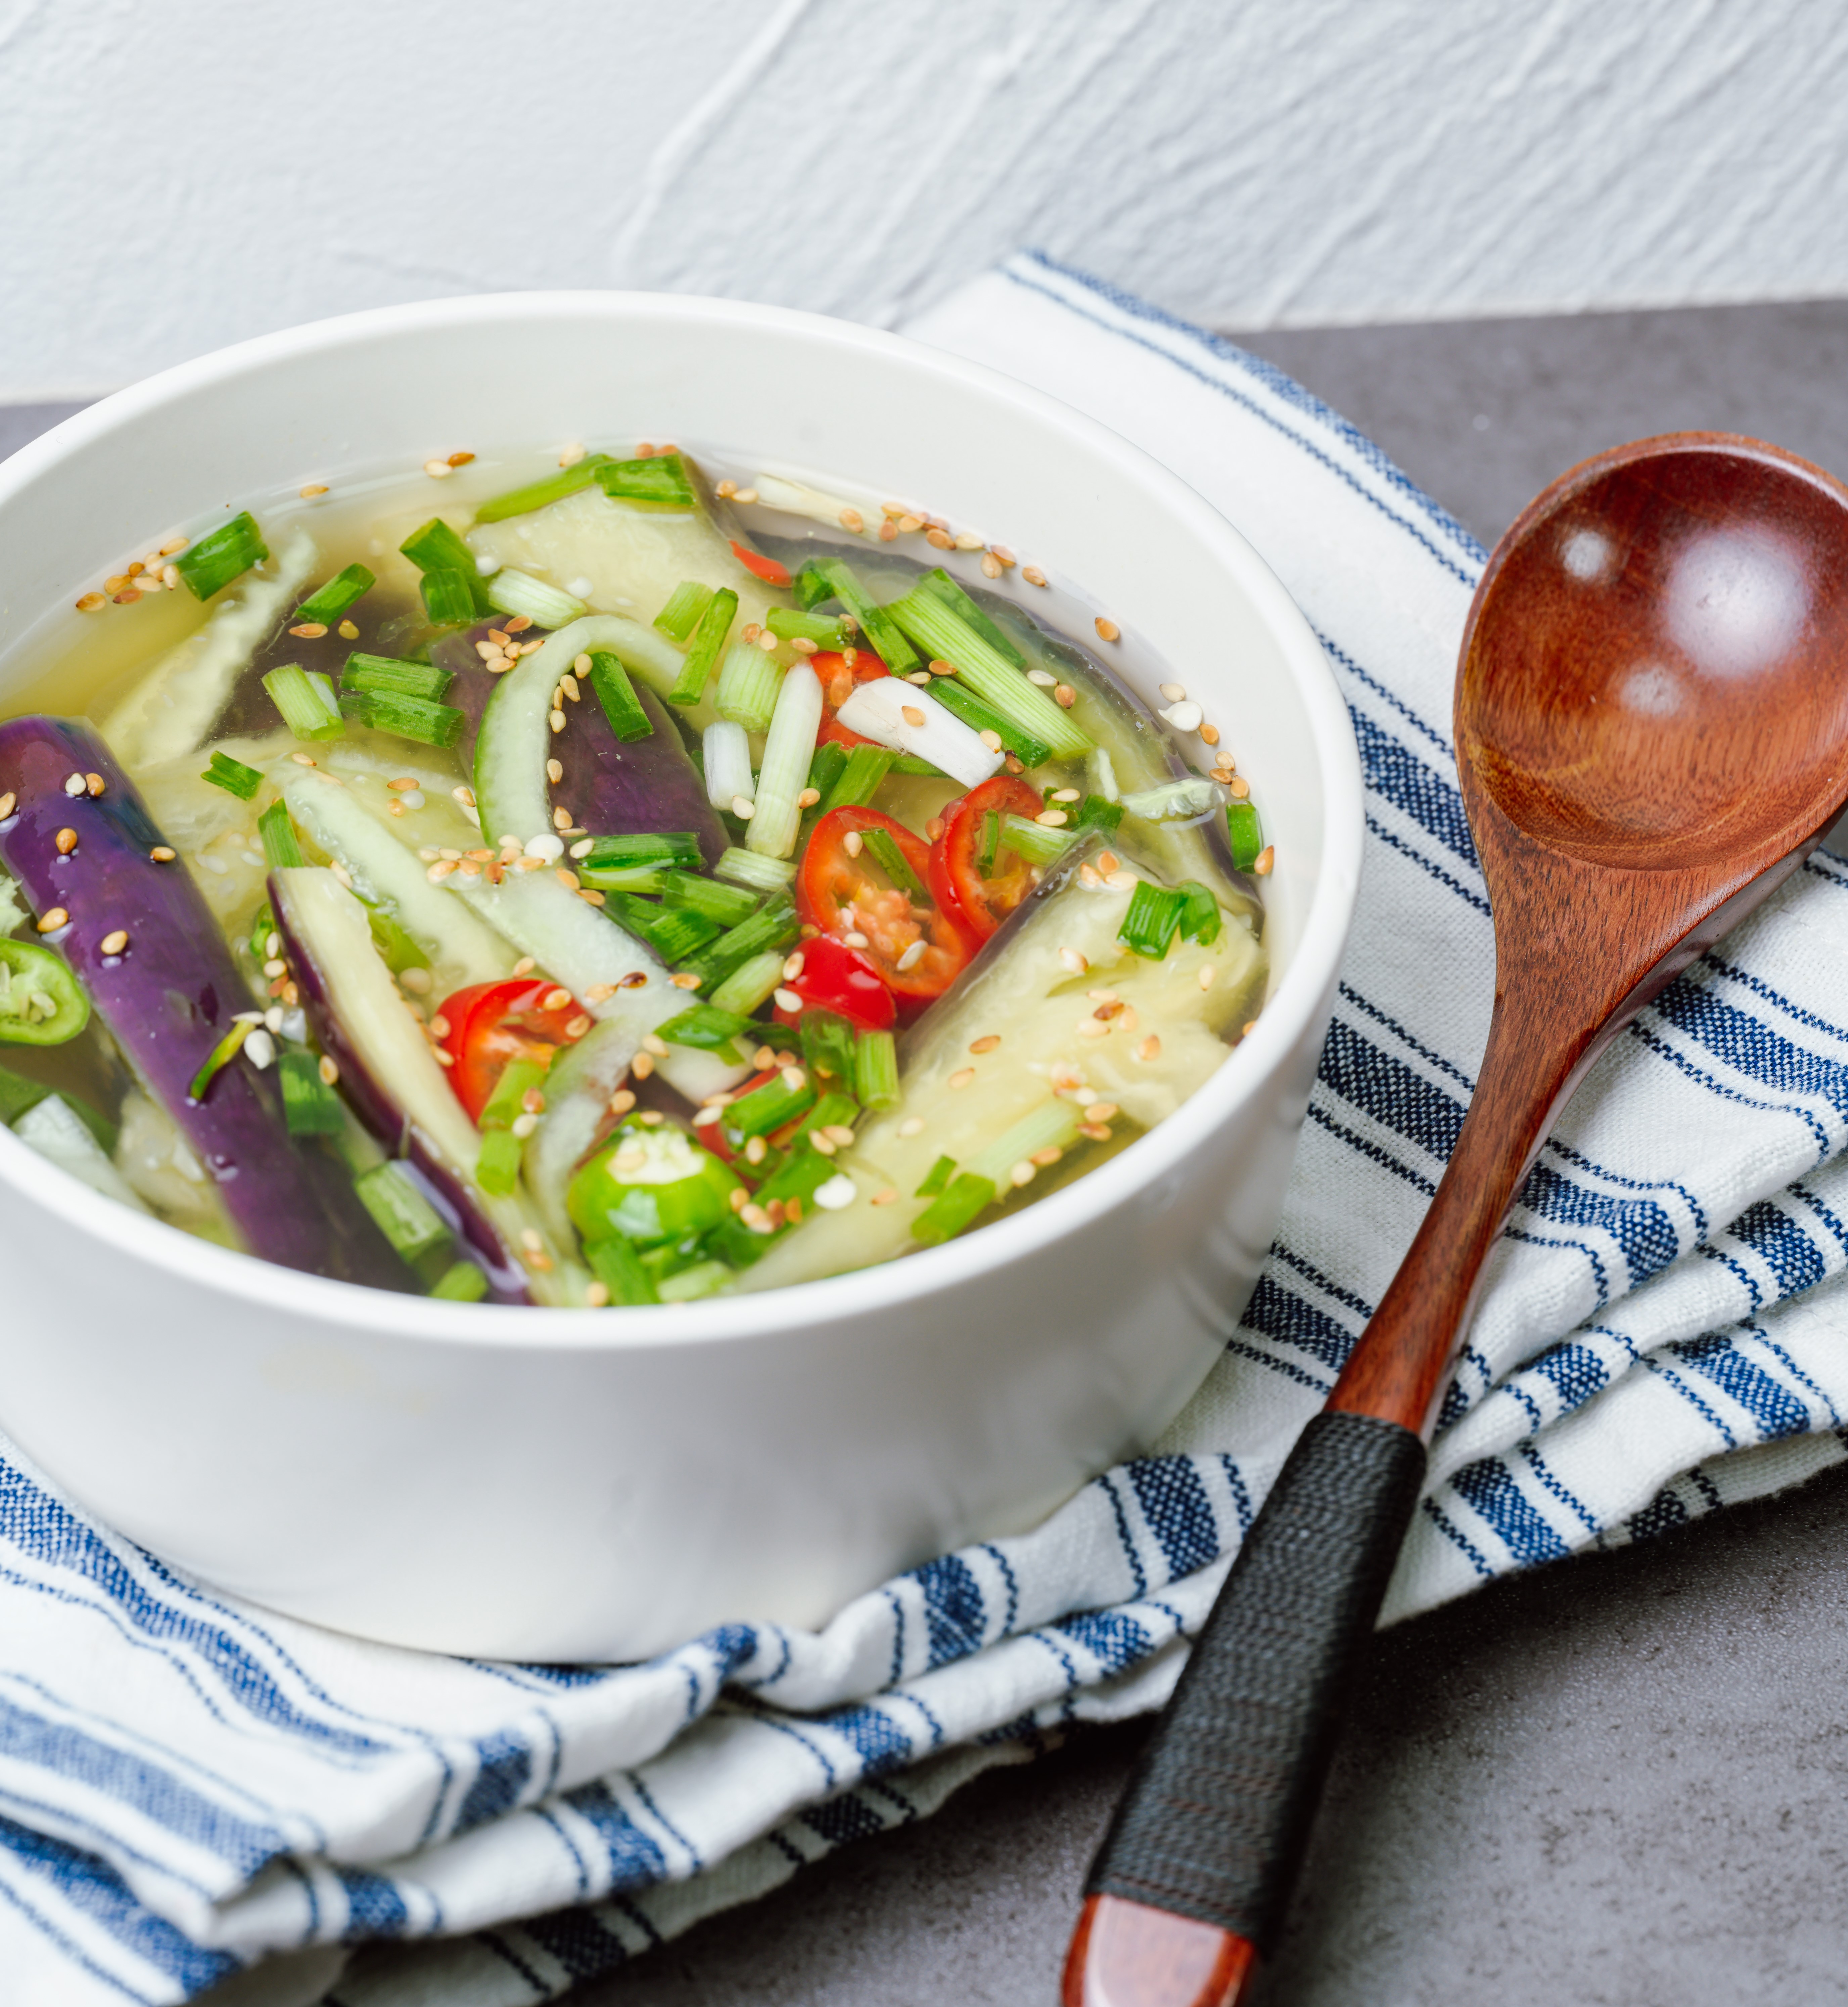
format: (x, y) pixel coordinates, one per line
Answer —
(583, 1485)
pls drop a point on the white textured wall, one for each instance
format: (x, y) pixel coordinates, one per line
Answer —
(176, 176)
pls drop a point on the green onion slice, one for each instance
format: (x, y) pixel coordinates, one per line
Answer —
(227, 553)
(343, 590)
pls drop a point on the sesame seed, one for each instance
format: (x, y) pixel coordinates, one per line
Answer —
(1241, 788)
(66, 840)
(937, 539)
(683, 981)
(1266, 859)
(643, 1065)
(913, 1125)
(787, 999)
(911, 714)
(1001, 552)
(1107, 861)
(1149, 1048)
(460, 459)
(1089, 1028)
(1122, 881)
(1174, 692)
(622, 1102)
(853, 843)
(920, 677)
(986, 1044)
(838, 1134)
(756, 1150)
(962, 1077)
(161, 853)
(524, 1125)
(437, 470)
(1032, 574)
(91, 601)
(114, 943)
(347, 631)
(9, 801)
(852, 521)
(75, 784)
(1052, 819)
(49, 922)
(1209, 734)
(745, 495)
(274, 967)
(596, 1295)
(441, 1057)
(887, 1196)
(1022, 1173)
(557, 721)
(441, 870)
(743, 810)
(1050, 1154)
(1206, 976)
(990, 566)
(1107, 631)
(821, 1143)
(856, 939)
(991, 739)
(1066, 795)
(911, 957)
(934, 829)
(1041, 678)
(1096, 1130)
(1073, 960)
(809, 797)
(519, 624)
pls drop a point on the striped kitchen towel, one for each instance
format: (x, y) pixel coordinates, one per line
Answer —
(188, 1784)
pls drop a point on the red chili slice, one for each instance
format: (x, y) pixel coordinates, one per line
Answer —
(838, 682)
(918, 950)
(767, 569)
(835, 977)
(981, 904)
(492, 1023)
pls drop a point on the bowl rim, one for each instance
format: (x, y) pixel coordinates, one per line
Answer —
(1296, 998)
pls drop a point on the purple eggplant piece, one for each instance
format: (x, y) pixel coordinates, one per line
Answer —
(639, 787)
(170, 996)
(379, 1106)
(473, 684)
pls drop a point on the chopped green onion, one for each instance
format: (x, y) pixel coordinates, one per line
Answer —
(395, 947)
(1200, 917)
(227, 553)
(681, 615)
(761, 874)
(936, 1178)
(790, 623)
(405, 1217)
(1149, 925)
(988, 672)
(726, 904)
(686, 1285)
(679, 847)
(955, 1207)
(865, 768)
(938, 580)
(1096, 812)
(893, 862)
(542, 494)
(832, 1111)
(392, 673)
(659, 483)
(811, 585)
(433, 546)
(748, 682)
(1246, 834)
(703, 650)
(623, 877)
(964, 703)
(984, 862)
(769, 1107)
(672, 936)
(1053, 1125)
(800, 1177)
(506, 1103)
(218, 1059)
(751, 985)
(497, 1169)
(825, 769)
(616, 1264)
(617, 695)
(1031, 840)
(340, 592)
(233, 776)
(461, 1282)
(705, 1027)
(774, 927)
(827, 1041)
(916, 763)
(789, 749)
(407, 717)
(883, 635)
(323, 688)
(302, 703)
(282, 849)
(448, 598)
(876, 1071)
(309, 1106)
(516, 592)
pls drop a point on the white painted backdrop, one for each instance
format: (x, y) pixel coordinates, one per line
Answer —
(177, 175)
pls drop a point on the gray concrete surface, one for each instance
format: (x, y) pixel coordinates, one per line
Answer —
(1619, 1780)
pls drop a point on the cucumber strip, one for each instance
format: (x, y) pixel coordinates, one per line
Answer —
(58, 1133)
(386, 874)
(945, 636)
(577, 1105)
(515, 741)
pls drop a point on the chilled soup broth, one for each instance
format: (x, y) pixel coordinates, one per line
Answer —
(608, 878)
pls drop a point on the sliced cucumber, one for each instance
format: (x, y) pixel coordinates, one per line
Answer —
(578, 1087)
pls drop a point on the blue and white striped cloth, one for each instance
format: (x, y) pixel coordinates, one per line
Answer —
(187, 1784)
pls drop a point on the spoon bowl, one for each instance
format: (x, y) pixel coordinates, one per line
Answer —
(1652, 731)
(1655, 674)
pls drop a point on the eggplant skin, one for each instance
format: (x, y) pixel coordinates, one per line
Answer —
(632, 789)
(169, 998)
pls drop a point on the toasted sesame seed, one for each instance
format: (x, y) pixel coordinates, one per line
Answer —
(1209, 734)
(727, 489)
(1096, 1130)
(852, 521)
(441, 870)
(1149, 1048)
(519, 624)
(1032, 574)
(822, 1144)
(684, 980)
(1266, 859)
(9, 801)
(886, 1197)
(1107, 861)
(66, 840)
(465, 796)
(1089, 1028)
(1064, 695)
(49, 922)
(643, 1065)
(853, 843)
(990, 565)
(557, 721)
(986, 1044)
(911, 714)
(460, 459)
(161, 853)
(962, 1077)
(1001, 552)
(114, 943)
(937, 539)
(91, 601)
(622, 1102)
(745, 495)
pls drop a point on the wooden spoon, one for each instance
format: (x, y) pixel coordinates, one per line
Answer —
(1652, 732)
